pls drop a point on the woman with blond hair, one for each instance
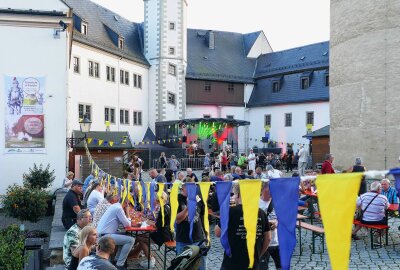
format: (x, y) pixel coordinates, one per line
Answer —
(87, 240)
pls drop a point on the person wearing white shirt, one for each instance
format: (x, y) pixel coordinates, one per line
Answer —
(108, 225)
(273, 173)
(95, 197)
(251, 159)
(303, 159)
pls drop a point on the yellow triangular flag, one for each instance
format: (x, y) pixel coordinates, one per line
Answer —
(100, 142)
(130, 198)
(249, 189)
(148, 194)
(173, 200)
(89, 140)
(159, 194)
(205, 189)
(111, 143)
(337, 194)
(124, 192)
(139, 185)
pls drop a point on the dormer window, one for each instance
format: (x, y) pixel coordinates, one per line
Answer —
(326, 78)
(121, 43)
(276, 87)
(305, 83)
(84, 28)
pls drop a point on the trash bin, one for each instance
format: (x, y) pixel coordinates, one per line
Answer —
(34, 253)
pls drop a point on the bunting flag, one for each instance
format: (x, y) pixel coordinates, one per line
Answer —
(250, 208)
(337, 194)
(173, 200)
(285, 195)
(124, 190)
(129, 191)
(111, 143)
(191, 189)
(396, 173)
(223, 190)
(140, 194)
(89, 140)
(152, 195)
(159, 195)
(101, 142)
(148, 194)
(204, 191)
(144, 194)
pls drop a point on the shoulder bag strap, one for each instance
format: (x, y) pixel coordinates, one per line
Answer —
(362, 211)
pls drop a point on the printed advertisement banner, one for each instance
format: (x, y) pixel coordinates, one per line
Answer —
(24, 117)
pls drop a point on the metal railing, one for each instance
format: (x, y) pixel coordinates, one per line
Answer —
(189, 162)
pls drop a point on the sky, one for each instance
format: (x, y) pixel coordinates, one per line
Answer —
(286, 23)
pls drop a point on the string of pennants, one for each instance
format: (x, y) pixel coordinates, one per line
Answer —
(100, 142)
(278, 142)
(284, 192)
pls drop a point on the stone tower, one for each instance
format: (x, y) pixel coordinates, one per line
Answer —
(165, 39)
(365, 82)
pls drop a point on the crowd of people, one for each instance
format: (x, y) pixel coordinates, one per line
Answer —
(94, 213)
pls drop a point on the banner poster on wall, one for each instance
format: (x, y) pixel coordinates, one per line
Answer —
(24, 118)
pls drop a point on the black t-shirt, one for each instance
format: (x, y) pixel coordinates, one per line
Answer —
(194, 176)
(163, 234)
(213, 202)
(237, 239)
(261, 159)
(71, 199)
(183, 228)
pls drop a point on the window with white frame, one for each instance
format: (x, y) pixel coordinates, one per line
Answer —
(84, 28)
(137, 118)
(288, 119)
(77, 65)
(85, 110)
(267, 120)
(171, 50)
(276, 87)
(124, 77)
(124, 116)
(94, 69)
(172, 69)
(310, 118)
(171, 26)
(206, 116)
(109, 115)
(171, 98)
(137, 81)
(110, 74)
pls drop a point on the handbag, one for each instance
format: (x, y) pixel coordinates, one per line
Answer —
(360, 212)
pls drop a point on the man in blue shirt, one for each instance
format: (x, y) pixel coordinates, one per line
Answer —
(389, 192)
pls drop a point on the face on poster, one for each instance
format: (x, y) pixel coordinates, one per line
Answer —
(24, 118)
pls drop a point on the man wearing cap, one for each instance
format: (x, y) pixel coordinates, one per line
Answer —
(72, 204)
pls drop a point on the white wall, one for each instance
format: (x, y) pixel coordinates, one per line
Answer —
(279, 132)
(100, 93)
(260, 46)
(36, 53)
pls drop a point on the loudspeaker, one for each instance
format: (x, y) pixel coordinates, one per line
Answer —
(184, 139)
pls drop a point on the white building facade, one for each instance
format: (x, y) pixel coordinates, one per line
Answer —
(34, 48)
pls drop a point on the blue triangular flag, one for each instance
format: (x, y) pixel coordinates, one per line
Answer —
(223, 190)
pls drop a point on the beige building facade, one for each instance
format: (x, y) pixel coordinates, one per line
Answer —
(365, 83)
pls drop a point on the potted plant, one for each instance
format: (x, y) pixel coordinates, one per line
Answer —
(24, 203)
(41, 178)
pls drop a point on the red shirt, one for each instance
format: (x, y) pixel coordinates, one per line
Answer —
(327, 168)
(224, 160)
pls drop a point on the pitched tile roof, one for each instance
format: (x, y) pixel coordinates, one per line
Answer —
(227, 62)
(103, 26)
(322, 132)
(288, 67)
(249, 40)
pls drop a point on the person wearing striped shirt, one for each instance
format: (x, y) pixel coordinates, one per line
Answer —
(374, 205)
(388, 191)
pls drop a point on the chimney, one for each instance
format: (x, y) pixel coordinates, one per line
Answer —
(211, 39)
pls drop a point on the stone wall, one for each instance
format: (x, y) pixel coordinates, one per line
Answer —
(365, 82)
(57, 233)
